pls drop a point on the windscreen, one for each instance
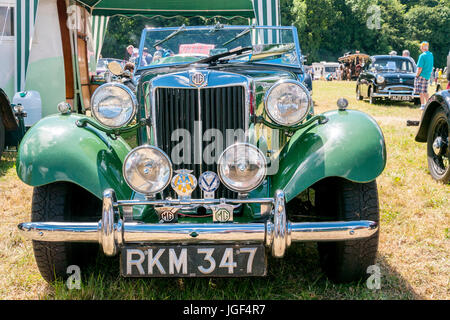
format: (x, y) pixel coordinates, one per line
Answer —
(187, 45)
(393, 65)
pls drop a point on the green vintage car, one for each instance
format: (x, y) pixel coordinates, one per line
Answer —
(215, 162)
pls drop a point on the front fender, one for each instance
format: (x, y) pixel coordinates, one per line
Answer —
(350, 145)
(440, 99)
(56, 149)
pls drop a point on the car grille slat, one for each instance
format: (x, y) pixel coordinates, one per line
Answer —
(220, 108)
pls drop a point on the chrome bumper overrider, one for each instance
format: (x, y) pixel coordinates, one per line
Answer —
(276, 233)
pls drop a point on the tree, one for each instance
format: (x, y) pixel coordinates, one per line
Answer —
(431, 24)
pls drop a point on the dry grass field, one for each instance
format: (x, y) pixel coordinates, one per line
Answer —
(414, 252)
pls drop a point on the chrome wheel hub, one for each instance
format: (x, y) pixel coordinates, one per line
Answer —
(439, 146)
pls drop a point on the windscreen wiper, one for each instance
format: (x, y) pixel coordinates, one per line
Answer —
(236, 51)
(240, 35)
(170, 36)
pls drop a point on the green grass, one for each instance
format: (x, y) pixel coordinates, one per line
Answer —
(297, 276)
(413, 251)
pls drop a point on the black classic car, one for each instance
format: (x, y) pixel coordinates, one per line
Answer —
(387, 77)
(434, 130)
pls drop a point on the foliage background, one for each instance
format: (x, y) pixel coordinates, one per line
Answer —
(327, 28)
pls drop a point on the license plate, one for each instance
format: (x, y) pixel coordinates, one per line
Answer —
(193, 261)
(401, 98)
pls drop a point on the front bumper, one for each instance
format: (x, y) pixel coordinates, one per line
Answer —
(277, 233)
(393, 91)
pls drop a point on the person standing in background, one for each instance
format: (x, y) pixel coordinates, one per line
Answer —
(147, 56)
(424, 70)
(129, 53)
(436, 76)
(406, 53)
(432, 77)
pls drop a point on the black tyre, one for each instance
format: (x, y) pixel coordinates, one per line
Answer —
(56, 202)
(358, 93)
(348, 261)
(438, 150)
(372, 99)
(2, 137)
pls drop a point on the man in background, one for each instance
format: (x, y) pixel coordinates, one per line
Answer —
(406, 53)
(424, 70)
(147, 56)
(129, 53)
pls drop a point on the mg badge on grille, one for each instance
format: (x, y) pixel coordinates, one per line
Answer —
(222, 213)
(167, 214)
(197, 78)
(184, 183)
(209, 182)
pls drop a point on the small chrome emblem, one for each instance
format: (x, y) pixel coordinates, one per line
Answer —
(209, 182)
(222, 213)
(167, 214)
(184, 183)
(198, 79)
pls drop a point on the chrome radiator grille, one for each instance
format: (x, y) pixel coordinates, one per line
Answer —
(219, 108)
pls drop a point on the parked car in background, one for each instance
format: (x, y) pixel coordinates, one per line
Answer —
(434, 130)
(387, 77)
(211, 166)
(325, 70)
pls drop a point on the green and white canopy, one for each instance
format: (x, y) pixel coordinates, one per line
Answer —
(98, 25)
(25, 17)
(170, 8)
(265, 12)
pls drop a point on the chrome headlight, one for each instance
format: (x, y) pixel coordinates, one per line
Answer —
(380, 79)
(242, 167)
(113, 105)
(287, 102)
(147, 170)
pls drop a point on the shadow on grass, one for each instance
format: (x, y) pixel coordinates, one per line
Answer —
(297, 276)
(400, 104)
(7, 161)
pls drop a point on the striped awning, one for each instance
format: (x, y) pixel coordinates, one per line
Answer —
(98, 25)
(267, 13)
(171, 8)
(25, 17)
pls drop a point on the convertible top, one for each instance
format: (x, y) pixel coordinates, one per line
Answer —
(171, 8)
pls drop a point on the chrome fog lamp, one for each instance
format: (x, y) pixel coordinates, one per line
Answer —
(287, 102)
(242, 167)
(147, 169)
(380, 79)
(113, 105)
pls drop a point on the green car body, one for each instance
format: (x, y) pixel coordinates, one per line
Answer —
(338, 154)
(350, 145)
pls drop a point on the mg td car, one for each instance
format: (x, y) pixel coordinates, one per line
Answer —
(389, 78)
(216, 163)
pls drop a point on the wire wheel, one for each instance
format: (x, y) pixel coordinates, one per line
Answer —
(438, 147)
